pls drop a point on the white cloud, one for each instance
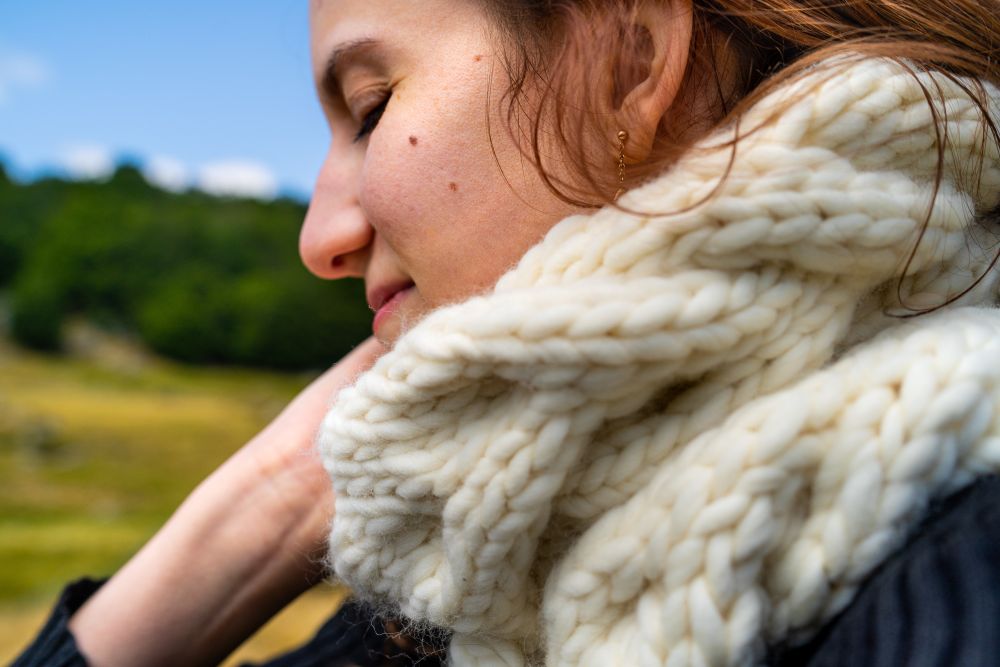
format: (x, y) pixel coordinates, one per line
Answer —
(88, 162)
(167, 173)
(20, 70)
(239, 178)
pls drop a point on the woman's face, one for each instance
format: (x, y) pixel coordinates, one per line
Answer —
(411, 196)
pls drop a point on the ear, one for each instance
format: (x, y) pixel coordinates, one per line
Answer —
(667, 26)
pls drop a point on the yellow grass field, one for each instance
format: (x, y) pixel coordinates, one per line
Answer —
(94, 455)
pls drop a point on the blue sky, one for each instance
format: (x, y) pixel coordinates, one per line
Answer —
(212, 93)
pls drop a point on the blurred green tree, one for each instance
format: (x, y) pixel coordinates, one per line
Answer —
(199, 278)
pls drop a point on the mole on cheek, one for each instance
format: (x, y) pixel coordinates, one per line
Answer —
(413, 141)
(453, 186)
(477, 58)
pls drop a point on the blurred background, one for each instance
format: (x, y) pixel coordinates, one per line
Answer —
(155, 165)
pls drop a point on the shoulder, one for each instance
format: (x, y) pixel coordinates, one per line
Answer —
(936, 602)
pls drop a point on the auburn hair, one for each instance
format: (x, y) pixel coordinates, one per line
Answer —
(740, 51)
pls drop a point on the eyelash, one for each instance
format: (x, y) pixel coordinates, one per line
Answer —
(371, 119)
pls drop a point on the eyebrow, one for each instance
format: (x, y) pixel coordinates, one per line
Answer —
(339, 58)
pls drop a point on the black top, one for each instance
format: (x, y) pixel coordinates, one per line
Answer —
(936, 603)
(353, 637)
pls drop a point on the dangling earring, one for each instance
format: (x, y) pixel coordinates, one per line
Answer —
(622, 138)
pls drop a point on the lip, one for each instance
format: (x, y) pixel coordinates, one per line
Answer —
(389, 306)
(379, 295)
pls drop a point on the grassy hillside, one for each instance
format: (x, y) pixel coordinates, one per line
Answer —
(94, 456)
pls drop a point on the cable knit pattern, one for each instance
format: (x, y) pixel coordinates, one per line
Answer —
(668, 439)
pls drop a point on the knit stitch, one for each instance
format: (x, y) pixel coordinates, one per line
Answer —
(669, 439)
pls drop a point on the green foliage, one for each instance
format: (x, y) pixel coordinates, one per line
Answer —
(189, 317)
(199, 278)
(37, 313)
(289, 319)
(22, 210)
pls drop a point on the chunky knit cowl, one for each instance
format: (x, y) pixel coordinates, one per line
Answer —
(675, 438)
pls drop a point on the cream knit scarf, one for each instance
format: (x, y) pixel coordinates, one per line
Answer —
(672, 439)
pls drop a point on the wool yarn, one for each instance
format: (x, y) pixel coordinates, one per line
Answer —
(671, 438)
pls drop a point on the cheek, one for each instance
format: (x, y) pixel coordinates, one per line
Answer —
(431, 152)
(390, 188)
(422, 189)
(431, 187)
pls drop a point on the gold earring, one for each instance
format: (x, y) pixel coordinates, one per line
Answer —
(622, 138)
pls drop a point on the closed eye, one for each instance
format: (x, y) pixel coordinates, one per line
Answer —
(371, 119)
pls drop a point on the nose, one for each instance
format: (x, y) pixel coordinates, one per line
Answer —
(336, 238)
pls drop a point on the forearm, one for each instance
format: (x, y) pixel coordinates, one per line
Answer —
(246, 542)
(202, 584)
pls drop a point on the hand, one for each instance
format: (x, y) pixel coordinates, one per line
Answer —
(244, 544)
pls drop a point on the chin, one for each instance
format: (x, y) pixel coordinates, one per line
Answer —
(398, 324)
(388, 336)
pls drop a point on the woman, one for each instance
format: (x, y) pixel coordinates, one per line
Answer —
(683, 429)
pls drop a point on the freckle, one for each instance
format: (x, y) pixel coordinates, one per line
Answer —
(477, 58)
(453, 186)
(413, 141)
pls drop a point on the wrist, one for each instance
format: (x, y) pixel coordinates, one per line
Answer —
(265, 509)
